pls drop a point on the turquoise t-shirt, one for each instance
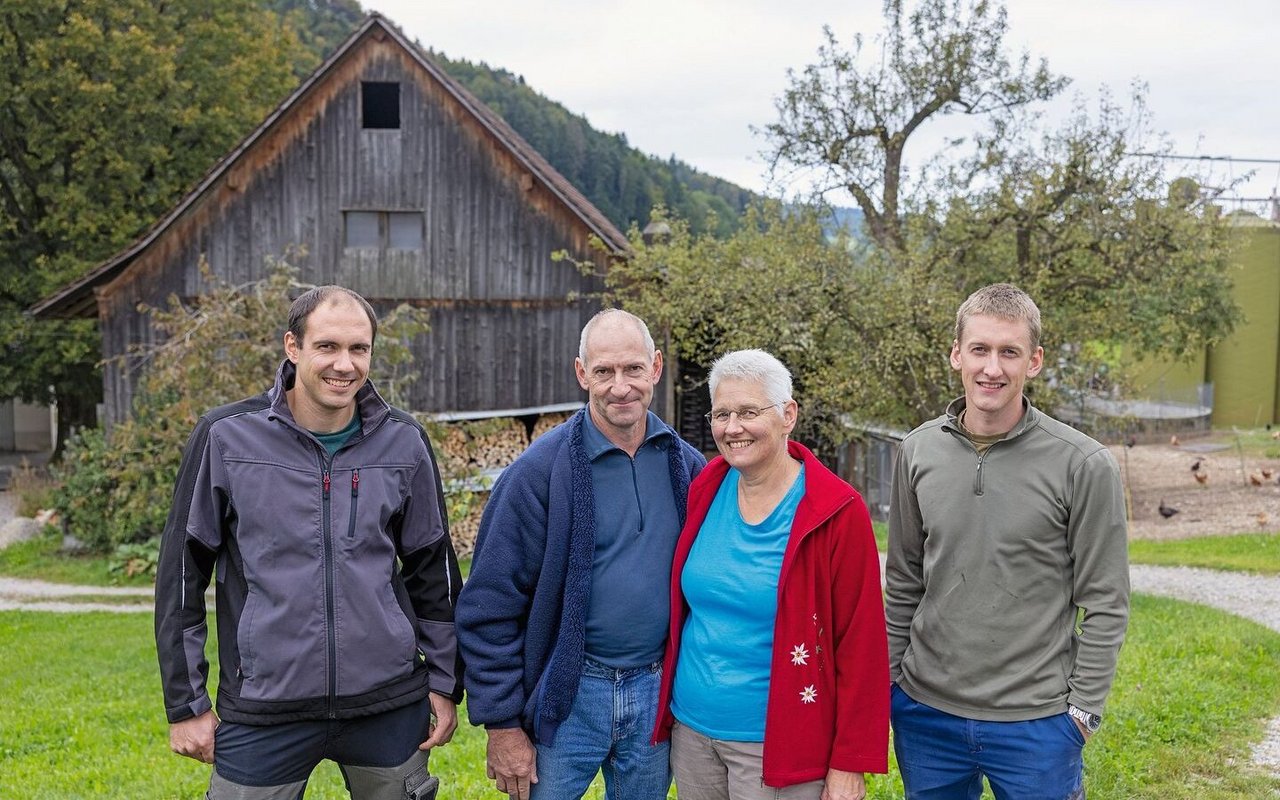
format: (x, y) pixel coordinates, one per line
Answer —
(730, 582)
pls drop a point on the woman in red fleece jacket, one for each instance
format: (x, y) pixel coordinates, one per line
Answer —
(776, 671)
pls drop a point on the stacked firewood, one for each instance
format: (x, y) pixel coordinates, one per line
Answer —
(450, 444)
(477, 445)
(546, 422)
(495, 443)
(466, 451)
(464, 529)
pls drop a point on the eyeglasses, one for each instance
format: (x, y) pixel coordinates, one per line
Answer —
(720, 417)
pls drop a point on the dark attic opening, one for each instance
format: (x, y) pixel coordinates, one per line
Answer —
(380, 104)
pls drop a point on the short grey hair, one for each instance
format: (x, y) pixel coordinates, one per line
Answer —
(610, 313)
(753, 365)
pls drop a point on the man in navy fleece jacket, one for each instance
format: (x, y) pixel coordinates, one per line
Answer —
(563, 620)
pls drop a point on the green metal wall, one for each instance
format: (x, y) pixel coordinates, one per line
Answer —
(1243, 368)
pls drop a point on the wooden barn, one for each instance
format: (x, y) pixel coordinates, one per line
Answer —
(396, 182)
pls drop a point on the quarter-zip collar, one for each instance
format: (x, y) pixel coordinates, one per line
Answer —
(1030, 419)
(596, 444)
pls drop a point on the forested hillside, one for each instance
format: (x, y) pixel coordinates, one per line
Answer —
(621, 181)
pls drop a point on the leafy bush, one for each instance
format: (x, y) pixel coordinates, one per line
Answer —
(117, 485)
(135, 558)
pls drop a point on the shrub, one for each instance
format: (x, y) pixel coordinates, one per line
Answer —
(135, 558)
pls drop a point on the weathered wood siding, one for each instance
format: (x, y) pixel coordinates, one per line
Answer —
(503, 333)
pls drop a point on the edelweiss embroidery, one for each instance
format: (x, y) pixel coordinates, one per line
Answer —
(809, 695)
(799, 655)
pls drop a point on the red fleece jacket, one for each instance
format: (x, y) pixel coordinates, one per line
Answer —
(828, 705)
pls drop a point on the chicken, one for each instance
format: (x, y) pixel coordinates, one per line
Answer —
(1166, 511)
(1262, 518)
(1202, 476)
(1196, 466)
(1275, 434)
(1268, 473)
(1255, 479)
(1173, 440)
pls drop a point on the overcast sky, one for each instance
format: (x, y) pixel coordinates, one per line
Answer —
(690, 77)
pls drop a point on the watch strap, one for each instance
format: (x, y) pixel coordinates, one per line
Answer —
(1091, 722)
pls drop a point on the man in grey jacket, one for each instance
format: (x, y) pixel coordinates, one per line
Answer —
(318, 507)
(1005, 525)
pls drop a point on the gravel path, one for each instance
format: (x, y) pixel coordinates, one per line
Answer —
(1254, 597)
(19, 594)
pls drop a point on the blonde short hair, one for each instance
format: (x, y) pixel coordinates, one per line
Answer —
(1002, 300)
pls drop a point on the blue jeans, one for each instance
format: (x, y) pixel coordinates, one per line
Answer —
(944, 757)
(607, 730)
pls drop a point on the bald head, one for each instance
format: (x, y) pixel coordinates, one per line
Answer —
(614, 320)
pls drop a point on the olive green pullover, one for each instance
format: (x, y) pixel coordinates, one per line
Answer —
(989, 559)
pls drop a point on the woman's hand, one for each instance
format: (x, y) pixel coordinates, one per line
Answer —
(841, 785)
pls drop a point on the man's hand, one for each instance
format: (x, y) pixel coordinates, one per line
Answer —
(841, 785)
(512, 762)
(193, 737)
(1083, 730)
(446, 722)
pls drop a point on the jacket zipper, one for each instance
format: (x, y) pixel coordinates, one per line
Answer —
(636, 485)
(977, 477)
(355, 497)
(329, 613)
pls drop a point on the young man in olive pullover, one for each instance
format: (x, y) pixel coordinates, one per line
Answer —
(1004, 524)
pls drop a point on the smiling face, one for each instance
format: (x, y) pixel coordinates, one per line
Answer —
(756, 445)
(619, 375)
(333, 363)
(994, 359)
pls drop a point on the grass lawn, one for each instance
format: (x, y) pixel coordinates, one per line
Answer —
(80, 714)
(40, 558)
(1246, 552)
(80, 701)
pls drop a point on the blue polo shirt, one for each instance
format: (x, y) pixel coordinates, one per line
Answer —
(637, 525)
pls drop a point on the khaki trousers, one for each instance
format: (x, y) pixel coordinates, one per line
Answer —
(714, 769)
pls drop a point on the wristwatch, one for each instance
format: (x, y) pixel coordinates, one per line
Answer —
(1091, 722)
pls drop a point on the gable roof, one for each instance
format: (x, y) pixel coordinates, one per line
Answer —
(77, 299)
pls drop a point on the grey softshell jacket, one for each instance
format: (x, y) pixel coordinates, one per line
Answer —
(336, 577)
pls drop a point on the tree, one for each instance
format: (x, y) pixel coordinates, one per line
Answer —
(853, 121)
(109, 111)
(774, 283)
(1062, 212)
(321, 26)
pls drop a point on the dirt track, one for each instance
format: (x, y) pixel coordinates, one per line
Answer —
(1225, 503)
